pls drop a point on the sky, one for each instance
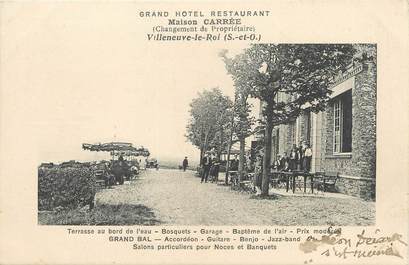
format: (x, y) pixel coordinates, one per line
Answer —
(84, 80)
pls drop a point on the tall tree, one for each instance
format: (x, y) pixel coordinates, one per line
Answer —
(209, 113)
(286, 77)
(243, 124)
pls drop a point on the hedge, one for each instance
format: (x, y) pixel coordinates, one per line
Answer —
(65, 187)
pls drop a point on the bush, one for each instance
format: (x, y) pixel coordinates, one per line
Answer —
(103, 214)
(65, 187)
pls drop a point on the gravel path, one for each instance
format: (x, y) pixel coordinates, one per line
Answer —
(178, 198)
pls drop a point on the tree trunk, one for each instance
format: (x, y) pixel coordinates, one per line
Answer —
(205, 144)
(258, 170)
(241, 158)
(220, 149)
(219, 153)
(267, 158)
(228, 159)
(228, 150)
(201, 156)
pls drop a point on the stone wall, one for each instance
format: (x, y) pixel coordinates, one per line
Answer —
(339, 164)
(347, 186)
(363, 188)
(359, 166)
(361, 163)
(364, 127)
(323, 133)
(329, 129)
(364, 121)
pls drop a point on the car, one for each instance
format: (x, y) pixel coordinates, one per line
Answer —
(152, 163)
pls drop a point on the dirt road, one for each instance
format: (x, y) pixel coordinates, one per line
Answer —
(178, 198)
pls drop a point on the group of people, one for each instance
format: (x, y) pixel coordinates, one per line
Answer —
(116, 171)
(210, 165)
(298, 160)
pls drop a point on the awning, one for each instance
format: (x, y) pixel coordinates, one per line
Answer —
(117, 147)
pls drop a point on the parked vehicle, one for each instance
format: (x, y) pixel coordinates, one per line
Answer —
(103, 174)
(152, 163)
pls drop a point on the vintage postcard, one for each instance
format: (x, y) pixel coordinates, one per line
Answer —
(202, 132)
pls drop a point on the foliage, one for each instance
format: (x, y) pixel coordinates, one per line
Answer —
(242, 124)
(365, 51)
(243, 121)
(286, 78)
(65, 187)
(104, 214)
(209, 115)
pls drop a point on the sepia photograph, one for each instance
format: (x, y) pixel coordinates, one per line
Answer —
(250, 134)
(203, 132)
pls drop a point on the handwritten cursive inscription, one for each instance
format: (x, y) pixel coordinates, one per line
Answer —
(361, 246)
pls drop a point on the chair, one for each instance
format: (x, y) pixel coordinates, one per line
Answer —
(325, 181)
(100, 178)
(330, 179)
(233, 179)
(299, 181)
(274, 179)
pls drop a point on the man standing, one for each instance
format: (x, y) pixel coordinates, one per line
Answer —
(258, 171)
(214, 171)
(308, 157)
(294, 158)
(234, 165)
(185, 163)
(301, 152)
(206, 163)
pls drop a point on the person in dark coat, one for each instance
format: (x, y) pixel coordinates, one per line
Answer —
(185, 163)
(119, 169)
(277, 163)
(234, 164)
(258, 171)
(206, 164)
(214, 172)
(284, 162)
(301, 158)
(294, 156)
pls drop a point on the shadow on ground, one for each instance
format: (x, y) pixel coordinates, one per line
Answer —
(102, 214)
(266, 197)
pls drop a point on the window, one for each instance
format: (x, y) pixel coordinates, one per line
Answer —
(343, 123)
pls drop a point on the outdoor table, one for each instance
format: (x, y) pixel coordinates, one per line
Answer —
(275, 175)
(291, 176)
(305, 175)
(288, 175)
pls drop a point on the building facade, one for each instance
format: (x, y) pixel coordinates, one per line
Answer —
(343, 136)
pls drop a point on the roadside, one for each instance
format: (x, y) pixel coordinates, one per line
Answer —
(174, 197)
(178, 198)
